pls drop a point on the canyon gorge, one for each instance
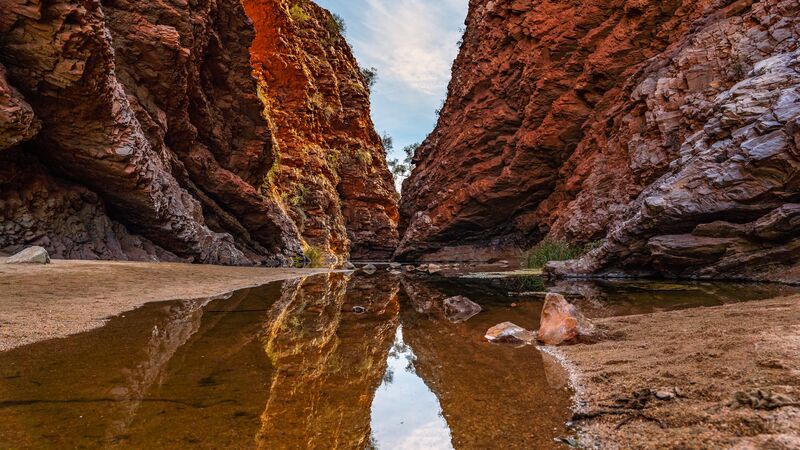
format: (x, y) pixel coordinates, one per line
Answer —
(663, 133)
(178, 131)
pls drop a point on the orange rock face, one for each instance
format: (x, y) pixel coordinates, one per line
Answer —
(136, 130)
(332, 174)
(645, 123)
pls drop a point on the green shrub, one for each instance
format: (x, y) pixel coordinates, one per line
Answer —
(552, 250)
(336, 25)
(370, 75)
(314, 256)
(299, 14)
(364, 157)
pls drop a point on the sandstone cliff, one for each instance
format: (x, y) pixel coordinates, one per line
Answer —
(134, 130)
(332, 173)
(667, 128)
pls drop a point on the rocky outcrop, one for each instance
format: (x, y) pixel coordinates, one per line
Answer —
(670, 129)
(332, 173)
(134, 130)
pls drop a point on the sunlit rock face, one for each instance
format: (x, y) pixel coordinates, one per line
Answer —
(332, 174)
(669, 128)
(137, 130)
(328, 360)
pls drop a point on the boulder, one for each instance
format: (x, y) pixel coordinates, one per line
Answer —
(460, 309)
(509, 333)
(369, 269)
(31, 255)
(561, 323)
(434, 268)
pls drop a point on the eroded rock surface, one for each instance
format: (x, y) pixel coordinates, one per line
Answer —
(134, 130)
(332, 173)
(668, 128)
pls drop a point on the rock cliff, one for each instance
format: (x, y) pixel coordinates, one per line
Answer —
(669, 129)
(332, 173)
(135, 130)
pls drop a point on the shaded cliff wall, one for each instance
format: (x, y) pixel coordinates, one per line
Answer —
(332, 173)
(136, 130)
(668, 127)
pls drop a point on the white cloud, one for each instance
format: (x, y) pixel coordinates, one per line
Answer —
(411, 42)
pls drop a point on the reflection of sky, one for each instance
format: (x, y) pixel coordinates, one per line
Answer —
(405, 413)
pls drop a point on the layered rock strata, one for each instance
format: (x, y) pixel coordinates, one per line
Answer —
(134, 130)
(332, 173)
(669, 129)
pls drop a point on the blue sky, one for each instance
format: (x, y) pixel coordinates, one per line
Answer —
(412, 43)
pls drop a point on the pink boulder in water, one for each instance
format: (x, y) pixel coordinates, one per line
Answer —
(561, 323)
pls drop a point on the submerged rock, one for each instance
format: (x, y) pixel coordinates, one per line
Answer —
(509, 333)
(460, 309)
(561, 322)
(31, 255)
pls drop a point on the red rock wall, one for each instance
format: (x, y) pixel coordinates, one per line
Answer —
(332, 173)
(134, 130)
(669, 128)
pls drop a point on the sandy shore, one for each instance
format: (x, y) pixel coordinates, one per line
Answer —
(715, 359)
(67, 297)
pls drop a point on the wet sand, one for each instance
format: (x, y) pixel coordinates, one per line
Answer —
(40, 302)
(717, 358)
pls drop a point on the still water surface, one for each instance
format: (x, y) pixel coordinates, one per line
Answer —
(291, 365)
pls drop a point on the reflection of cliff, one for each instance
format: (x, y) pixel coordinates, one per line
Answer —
(328, 361)
(215, 385)
(95, 388)
(469, 375)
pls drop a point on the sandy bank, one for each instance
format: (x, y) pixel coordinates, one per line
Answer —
(67, 297)
(717, 358)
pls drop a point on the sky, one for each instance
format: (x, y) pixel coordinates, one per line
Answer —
(412, 43)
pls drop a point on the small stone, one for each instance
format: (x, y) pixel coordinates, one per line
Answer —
(513, 305)
(665, 395)
(434, 268)
(460, 309)
(509, 333)
(349, 266)
(359, 309)
(395, 266)
(31, 255)
(369, 269)
(409, 268)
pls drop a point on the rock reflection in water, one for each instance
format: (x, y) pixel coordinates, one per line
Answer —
(492, 396)
(159, 376)
(333, 361)
(329, 361)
